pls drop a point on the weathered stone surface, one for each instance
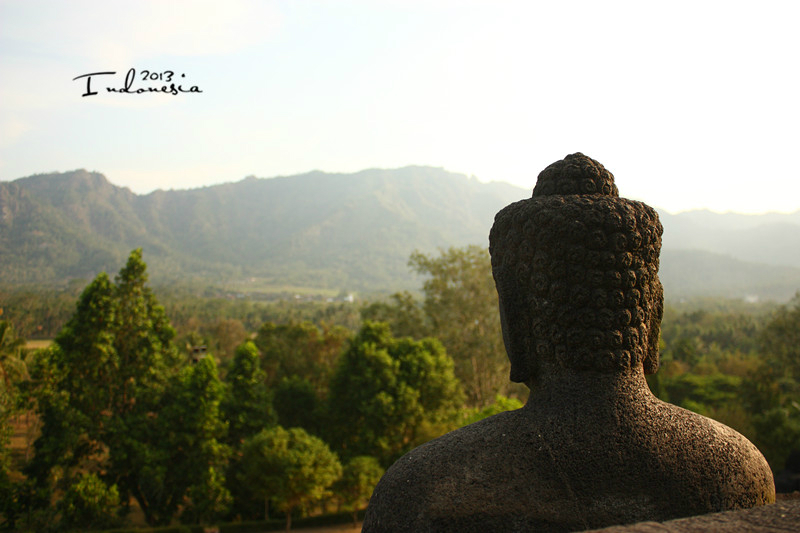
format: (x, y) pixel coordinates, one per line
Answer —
(576, 272)
(784, 515)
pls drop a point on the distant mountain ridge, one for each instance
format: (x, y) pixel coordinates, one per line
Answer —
(337, 231)
(353, 231)
(771, 238)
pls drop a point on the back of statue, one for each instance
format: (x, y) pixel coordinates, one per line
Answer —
(576, 270)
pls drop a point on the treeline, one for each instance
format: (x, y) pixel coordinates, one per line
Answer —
(131, 419)
(204, 409)
(193, 310)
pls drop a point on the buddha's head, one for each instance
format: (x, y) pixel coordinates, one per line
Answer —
(576, 270)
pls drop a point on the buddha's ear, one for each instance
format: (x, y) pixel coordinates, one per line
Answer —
(651, 356)
(515, 326)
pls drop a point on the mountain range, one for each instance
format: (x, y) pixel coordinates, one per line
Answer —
(349, 232)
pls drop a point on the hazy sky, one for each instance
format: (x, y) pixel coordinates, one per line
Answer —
(689, 104)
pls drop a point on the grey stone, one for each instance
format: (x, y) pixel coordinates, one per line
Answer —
(576, 269)
(784, 515)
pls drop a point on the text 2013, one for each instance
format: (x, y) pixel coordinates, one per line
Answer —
(166, 77)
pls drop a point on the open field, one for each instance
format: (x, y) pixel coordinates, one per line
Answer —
(267, 286)
(341, 528)
(38, 344)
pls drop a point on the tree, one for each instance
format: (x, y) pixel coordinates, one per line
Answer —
(77, 385)
(297, 405)
(89, 504)
(389, 395)
(247, 407)
(500, 405)
(772, 402)
(300, 349)
(461, 306)
(403, 313)
(184, 459)
(773, 392)
(119, 341)
(289, 467)
(780, 340)
(12, 371)
(112, 396)
(209, 499)
(10, 354)
(229, 334)
(192, 410)
(354, 488)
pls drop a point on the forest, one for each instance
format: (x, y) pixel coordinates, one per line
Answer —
(179, 405)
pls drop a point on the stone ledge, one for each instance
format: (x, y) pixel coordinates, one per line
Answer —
(783, 515)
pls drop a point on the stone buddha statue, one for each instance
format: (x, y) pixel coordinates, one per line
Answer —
(576, 271)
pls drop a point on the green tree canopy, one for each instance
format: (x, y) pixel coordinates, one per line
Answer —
(780, 339)
(289, 467)
(300, 349)
(247, 407)
(180, 455)
(773, 392)
(12, 371)
(354, 488)
(402, 312)
(389, 395)
(11, 365)
(111, 396)
(461, 306)
(89, 504)
(501, 404)
(297, 405)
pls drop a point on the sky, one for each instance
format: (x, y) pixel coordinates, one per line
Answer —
(691, 105)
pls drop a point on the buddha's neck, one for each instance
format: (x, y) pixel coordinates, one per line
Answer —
(582, 389)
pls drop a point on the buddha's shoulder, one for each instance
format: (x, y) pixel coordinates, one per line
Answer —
(480, 441)
(529, 470)
(463, 466)
(719, 454)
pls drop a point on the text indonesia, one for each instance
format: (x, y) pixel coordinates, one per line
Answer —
(165, 77)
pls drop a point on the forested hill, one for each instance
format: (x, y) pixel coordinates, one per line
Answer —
(353, 231)
(336, 231)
